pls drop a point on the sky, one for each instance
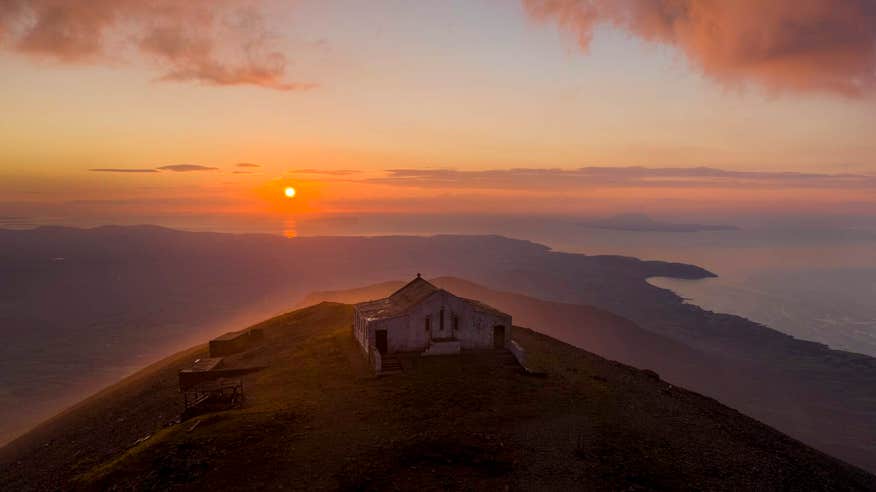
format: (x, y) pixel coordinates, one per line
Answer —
(118, 111)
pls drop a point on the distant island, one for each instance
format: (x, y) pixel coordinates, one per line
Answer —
(644, 223)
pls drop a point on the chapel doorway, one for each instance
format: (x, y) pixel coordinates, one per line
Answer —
(380, 341)
(499, 337)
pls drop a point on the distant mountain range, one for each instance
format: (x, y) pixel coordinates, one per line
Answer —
(644, 223)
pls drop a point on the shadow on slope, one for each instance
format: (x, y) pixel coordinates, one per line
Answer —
(585, 327)
(317, 419)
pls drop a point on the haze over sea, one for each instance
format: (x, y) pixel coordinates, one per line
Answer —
(814, 281)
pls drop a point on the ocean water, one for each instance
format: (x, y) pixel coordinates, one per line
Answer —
(817, 285)
(823, 305)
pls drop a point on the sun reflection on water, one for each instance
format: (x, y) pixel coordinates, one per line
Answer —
(290, 229)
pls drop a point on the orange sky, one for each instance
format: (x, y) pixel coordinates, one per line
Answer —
(335, 98)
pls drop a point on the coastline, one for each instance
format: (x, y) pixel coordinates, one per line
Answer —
(801, 318)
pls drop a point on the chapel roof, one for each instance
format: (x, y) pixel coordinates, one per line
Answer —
(400, 301)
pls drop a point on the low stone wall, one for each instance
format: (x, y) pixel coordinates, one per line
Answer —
(518, 352)
(376, 359)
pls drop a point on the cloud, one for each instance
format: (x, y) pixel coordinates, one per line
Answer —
(615, 177)
(184, 168)
(246, 164)
(122, 170)
(328, 172)
(783, 45)
(179, 168)
(221, 42)
(13, 222)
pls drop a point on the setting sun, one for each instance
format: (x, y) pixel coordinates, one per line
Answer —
(290, 192)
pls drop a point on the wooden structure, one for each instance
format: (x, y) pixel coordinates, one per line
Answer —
(217, 394)
(201, 370)
(208, 384)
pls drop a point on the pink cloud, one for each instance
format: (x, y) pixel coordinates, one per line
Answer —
(784, 45)
(619, 177)
(185, 168)
(215, 42)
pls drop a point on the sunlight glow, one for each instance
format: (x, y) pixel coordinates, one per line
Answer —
(290, 192)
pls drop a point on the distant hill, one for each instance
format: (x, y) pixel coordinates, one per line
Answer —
(644, 223)
(317, 420)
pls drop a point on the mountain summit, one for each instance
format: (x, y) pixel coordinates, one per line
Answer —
(318, 418)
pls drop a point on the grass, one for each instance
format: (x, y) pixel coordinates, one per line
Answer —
(317, 419)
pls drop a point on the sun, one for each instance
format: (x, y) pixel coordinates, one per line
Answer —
(289, 192)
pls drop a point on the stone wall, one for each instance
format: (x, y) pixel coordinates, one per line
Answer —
(518, 352)
(376, 359)
(408, 333)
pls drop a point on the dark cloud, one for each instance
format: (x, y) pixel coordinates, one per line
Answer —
(14, 222)
(596, 177)
(184, 168)
(329, 172)
(122, 170)
(246, 164)
(800, 45)
(216, 42)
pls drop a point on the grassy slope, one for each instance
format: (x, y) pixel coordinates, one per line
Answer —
(317, 419)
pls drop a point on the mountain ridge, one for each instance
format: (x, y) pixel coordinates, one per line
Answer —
(316, 419)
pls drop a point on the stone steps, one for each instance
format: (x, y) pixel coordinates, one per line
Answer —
(506, 358)
(447, 347)
(390, 364)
